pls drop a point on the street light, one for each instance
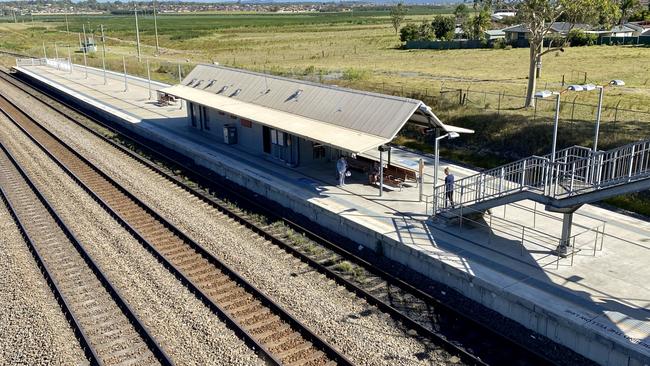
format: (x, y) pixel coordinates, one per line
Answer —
(547, 94)
(436, 162)
(590, 87)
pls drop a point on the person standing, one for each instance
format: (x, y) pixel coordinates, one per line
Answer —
(341, 169)
(449, 188)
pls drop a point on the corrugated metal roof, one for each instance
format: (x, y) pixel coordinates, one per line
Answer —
(326, 133)
(354, 111)
(376, 114)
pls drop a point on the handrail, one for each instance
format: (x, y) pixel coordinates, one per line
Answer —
(576, 170)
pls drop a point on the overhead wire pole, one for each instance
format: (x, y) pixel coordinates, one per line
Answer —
(103, 52)
(69, 60)
(67, 26)
(44, 51)
(137, 32)
(155, 27)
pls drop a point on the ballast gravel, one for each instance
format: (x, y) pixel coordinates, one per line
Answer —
(188, 331)
(360, 331)
(33, 328)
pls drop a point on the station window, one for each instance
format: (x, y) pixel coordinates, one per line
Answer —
(232, 116)
(222, 113)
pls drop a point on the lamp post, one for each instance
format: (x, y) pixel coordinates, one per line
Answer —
(436, 164)
(381, 149)
(547, 94)
(601, 92)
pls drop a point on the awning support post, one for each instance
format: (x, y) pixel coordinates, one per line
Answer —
(420, 173)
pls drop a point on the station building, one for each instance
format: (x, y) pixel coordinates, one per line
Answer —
(294, 122)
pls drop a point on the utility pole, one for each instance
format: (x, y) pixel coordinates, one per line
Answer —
(44, 51)
(137, 32)
(103, 52)
(155, 27)
(67, 26)
(83, 26)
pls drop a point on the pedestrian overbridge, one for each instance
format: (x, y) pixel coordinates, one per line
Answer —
(573, 177)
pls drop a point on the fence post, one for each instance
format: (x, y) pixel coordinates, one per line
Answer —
(499, 105)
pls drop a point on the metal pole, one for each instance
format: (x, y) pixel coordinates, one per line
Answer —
(44, 51)
(180, 77)
(67, 26)
(56, 54)
(420, 176)
(126, 84)
(83, 27)
(69, 61)
(137, 32)
(381, 171)
(598, 114)
(155, 27)
(103, 52)
(149, 78)
(557, 119)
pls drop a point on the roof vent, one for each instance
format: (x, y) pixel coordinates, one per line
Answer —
(191, 82)
(209, 84)
(197, 84)
(236, 93)
(296, 95)
(223, 89)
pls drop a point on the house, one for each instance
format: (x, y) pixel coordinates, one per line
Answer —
(640, 28)
(520, 33)
(619, 31)
(494, 34)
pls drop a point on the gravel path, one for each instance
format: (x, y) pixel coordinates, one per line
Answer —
(33, 329)
(357, 329)
(188, 331)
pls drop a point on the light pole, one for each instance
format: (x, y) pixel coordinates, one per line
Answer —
(436, 164)
(601, 92)
(546, 94)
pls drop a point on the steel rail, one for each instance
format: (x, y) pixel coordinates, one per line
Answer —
(318, 342)
(442, 307)
(115, 294)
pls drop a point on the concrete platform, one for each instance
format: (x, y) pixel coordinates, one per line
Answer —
(595, 301)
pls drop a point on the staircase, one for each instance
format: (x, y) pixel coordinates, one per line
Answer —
(574, 176)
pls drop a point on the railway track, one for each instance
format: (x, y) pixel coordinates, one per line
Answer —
(416, 309)
(281, 338)
(108, 329)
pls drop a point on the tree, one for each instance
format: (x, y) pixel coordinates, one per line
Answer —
(474, 28)
(443, 27)
(539, 15)
(628, 8)
(461, 12)
(397, 15)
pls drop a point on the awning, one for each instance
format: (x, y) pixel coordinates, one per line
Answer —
(343, 138)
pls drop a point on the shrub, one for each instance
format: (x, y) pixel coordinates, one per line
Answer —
(409, 32)
(499, 44)
(577, 37)
(352, 74)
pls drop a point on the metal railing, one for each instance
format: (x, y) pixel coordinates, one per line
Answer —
(57, 63)
(589, 239)
(576, 170)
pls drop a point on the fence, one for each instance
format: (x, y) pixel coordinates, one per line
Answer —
(639, 40)
(446, 45)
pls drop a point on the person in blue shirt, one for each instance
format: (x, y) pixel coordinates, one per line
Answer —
(449, 188)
